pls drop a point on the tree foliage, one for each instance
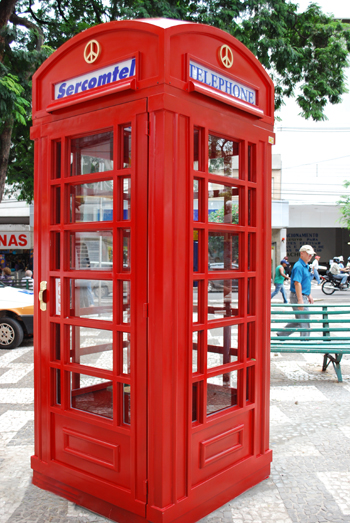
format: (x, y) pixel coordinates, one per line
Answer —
(344, 203)
(305, 53)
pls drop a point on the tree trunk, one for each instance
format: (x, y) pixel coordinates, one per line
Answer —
(5, 145)
(6, 9)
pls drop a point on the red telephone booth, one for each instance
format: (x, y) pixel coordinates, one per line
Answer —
(152, 258)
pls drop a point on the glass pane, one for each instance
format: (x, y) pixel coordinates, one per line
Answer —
(195, 250)
(93, 395)
(58, 296)
(223, 157)
(195, 347)
(223, 252)
(250, 384)
(250, 340)
(92, 299)
(92, 154)
(195, 401)
(221, 392)
(56, 339)
(91, 202)
(251, 296)
(126, 352)
(58, 386)
(195, 200)
(126, 302)
(251, 252)
(222, 299)
(126, 405)
(126, 199)
(55, 251)
(251, 163)
(57, 160)
(223, 204)
(56, 206)
(126, 249)
(196, 149)
(91, 250)
(127, 146)
(195, 302)
(222, 346)
(251, 207)
(91, 347)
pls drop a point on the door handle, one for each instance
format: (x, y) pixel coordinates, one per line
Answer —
(43, 287)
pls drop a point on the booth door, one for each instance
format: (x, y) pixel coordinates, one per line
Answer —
(92, 228)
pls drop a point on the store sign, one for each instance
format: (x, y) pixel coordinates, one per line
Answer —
(19, 240)
(106, 75)
(222, 83)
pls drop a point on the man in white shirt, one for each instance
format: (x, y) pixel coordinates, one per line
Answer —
(339, 273)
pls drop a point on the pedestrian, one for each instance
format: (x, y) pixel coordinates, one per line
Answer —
(280, 276)
(300, 291)
(288, 268)
(7, 277)
(348, 264)
(27, 281)
(314, 270)
(339, 273)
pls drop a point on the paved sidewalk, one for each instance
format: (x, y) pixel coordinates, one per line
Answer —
(310, 437)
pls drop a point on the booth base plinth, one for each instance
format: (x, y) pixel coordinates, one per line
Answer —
(96, 505)
(154, 514)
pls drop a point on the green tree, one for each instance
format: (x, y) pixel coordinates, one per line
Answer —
(306, 54)
(344, 203)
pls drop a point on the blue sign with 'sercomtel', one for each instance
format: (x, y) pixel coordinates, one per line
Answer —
(106, 75)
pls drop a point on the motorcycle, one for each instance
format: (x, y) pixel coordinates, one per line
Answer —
(331, 284)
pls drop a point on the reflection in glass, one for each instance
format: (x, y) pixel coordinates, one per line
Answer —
(126, 352)
(195, 250)
(93, 395)
(55, 251)
(251, 252)
(92, 154)
(126, 302)
(250, 340)
(126, 249)
(222, 346)
(127, 147)
(251, 296)
(251, 207)
(92, 299)
(223, 157)
(195, 401)
(195, 200)
(195, 149)
(126, 404)
(221, 392)
(56, 340)
(223, 251)
(223, 204)
(126, 199)
(91, 202)
(91, 250)
(58, 386)
(195, 302)
(91, 347)
(222, 298)
(57, 160)
(195, 347)
(57, 296)
(56, 206)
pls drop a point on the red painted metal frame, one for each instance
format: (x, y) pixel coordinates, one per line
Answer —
(163, 467)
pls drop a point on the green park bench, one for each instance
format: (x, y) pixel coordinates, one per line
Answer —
(329, 332)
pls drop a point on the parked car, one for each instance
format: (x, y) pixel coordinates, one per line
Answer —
(16, 315)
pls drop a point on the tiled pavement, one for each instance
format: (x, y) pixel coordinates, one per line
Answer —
(310, 437)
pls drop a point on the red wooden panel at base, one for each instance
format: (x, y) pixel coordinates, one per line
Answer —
(88, 501)
(203, 504)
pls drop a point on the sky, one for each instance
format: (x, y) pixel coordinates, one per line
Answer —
(315, 156)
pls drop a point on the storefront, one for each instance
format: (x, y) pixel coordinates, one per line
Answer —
(16, 248)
